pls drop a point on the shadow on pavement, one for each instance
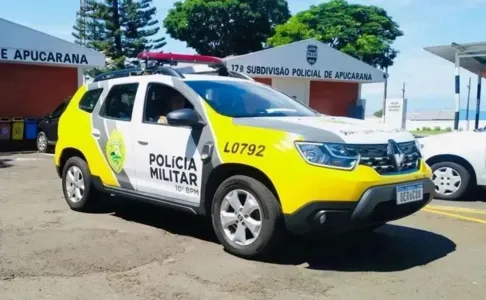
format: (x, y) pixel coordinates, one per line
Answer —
(477, 194)
(167, 219)
(6, 163)
(390, 248)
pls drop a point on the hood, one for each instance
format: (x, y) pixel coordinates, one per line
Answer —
(332, 129)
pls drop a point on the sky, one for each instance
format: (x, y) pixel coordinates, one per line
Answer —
(429, 80)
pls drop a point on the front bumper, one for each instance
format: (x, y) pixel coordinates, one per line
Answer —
(377, 205)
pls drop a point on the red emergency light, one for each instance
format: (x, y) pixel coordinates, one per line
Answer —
(172, 58)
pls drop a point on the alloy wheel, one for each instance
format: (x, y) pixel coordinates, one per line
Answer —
(241, 217)
(41, 142)
(74, 184)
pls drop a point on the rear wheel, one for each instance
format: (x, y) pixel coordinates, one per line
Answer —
(79, 192)
(246, 217)
(451, 180)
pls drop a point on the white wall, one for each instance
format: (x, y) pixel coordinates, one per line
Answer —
(293, 87)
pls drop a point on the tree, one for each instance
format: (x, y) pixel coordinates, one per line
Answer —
(378, 113)
(365, 32)
(222, 28)
(139, 26)
(87, 28)
(120, 29)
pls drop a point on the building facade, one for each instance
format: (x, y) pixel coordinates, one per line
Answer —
(38, 71)
(320, 76)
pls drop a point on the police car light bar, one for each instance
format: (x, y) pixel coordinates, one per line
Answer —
(171, 58)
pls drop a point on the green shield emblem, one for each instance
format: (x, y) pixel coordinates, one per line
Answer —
(115, 151)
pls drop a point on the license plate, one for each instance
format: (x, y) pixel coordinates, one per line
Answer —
(410, 193)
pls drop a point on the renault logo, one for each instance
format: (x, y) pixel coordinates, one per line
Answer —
(395, 154)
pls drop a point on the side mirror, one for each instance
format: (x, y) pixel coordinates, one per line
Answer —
(184, 117)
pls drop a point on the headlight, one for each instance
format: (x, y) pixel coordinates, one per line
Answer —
(338, 156)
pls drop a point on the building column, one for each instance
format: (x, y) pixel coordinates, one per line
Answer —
(457, 92)
(80, 76)
(478, 101)
(360, 86)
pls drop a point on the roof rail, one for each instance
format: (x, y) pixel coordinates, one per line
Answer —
(173, 59)
(137, 72)
(161, 59)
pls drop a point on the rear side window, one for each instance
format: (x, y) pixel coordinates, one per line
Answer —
(89, 100)
(59, 110)
(119, 102)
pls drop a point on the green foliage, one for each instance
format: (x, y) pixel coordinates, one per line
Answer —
(229, 27)
(448, 129)
(378, 113)
(365, 32)
(87, 28)
(120, 29)
(437, 128)
(138, 20)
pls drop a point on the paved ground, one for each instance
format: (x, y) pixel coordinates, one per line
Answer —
(140, 252)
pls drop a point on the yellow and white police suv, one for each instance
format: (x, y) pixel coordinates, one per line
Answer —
(255, 160)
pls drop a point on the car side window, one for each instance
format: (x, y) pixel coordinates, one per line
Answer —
(89, 100)
(119, 102)
(160, 100)
(59, 110)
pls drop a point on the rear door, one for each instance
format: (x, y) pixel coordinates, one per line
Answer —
(112, 127)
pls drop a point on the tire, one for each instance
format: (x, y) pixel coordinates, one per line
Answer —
(271, 231)
(42, 142)
(457, 170)
(89, 196)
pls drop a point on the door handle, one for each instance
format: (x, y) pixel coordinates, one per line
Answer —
(96, 133)
(144, 143)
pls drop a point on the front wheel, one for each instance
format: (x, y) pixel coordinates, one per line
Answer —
(246, 217)
(42, 145)
(451, 180)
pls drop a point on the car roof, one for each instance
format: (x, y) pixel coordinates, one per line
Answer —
(205, 77)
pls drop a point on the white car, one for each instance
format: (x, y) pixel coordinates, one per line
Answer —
(457, 160)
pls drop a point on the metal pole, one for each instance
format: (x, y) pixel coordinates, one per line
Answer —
(478, 101)
(403, 91)
(385, 90)
(458, 91)
(467, 103)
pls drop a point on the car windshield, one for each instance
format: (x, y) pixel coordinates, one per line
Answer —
(239, 99)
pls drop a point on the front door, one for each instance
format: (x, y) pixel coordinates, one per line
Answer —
(168, 163)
